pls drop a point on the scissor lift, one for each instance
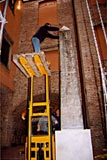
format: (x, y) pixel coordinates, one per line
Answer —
(37, 147)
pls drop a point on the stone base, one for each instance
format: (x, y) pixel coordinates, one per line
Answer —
(73, 144)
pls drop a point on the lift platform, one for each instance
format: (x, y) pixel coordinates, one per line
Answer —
(37, 147)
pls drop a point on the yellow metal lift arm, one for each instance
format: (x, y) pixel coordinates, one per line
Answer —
(32, 64)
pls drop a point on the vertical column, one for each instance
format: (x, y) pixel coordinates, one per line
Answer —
(71, 112)
(91, 74)
(72, 138)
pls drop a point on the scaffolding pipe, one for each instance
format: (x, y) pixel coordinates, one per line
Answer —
(3, 21)
(102, 24)
(100, 64)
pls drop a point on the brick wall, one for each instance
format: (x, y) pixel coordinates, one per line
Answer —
(19, 99)
(82, 40)
(89, 66)
(91, 76)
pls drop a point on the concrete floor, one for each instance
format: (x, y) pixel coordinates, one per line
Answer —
(13, 153)
(17, 153)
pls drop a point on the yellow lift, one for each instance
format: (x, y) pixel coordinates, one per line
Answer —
(37, 147)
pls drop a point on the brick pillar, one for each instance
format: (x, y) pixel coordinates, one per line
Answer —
(71, 113)
(91, 78)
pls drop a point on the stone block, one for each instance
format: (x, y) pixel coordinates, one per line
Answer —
(73, 144)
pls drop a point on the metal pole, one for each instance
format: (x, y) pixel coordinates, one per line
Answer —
(29, 116)
(3, 21)
(49, 115)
